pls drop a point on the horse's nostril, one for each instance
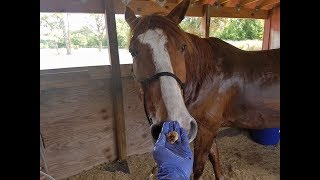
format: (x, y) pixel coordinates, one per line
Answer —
(155, 131)
(192, 133)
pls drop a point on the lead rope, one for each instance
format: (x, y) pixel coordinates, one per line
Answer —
(144, 84)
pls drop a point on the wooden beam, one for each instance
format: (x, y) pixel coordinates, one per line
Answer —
(266, 34)
(149, 7)
(253, 5)
(271, 6)
(118, 109)
(167, 1)
(205, 20)
(222, 2)
(268, 3)
(203, 2)
(232, 3)
(72, 6)
(247, 2)
(242, 13)
(141, 8)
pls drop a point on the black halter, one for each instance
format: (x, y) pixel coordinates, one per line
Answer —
(146, 81)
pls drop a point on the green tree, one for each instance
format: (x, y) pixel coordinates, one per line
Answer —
(122, 32)
(217, 25)
(49, 32)
(242, 29)
(87, 33)
(56, 24)
(192, 25)
(78, 39)
(98, 28)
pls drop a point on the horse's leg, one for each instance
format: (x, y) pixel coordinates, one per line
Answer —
(202, 145)
(222, 101)
(215, 161)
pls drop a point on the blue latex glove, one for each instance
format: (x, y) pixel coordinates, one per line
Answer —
(174, 160)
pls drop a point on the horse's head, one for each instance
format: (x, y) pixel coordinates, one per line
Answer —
(159, 45)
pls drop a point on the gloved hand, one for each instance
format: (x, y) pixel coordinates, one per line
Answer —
(175, 160)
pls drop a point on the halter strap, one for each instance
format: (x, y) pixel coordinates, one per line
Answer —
(146, 81)
(156, 76)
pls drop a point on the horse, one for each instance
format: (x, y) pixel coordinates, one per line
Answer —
(203, 83)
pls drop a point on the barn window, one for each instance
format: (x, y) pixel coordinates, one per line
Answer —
(78, 40)
(245, 34)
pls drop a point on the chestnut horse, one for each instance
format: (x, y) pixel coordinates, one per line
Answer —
(204, 83)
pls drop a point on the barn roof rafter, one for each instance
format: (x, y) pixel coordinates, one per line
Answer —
(258, 9)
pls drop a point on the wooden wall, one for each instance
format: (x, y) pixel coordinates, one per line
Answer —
(271, 36)
(77, 118)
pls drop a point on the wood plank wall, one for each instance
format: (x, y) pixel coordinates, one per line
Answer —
(77, 118)
(271, 35)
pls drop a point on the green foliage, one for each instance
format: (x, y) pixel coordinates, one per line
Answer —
(43, 44)
(191, 25)
(78, 39)
(226, 28)
(56, 30)
(93, 42)
(242, 29)
(123, 30)
(48, 44)
(61, 43)
(217, 24)
(104, 41)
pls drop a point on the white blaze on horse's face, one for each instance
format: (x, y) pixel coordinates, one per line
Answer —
(170, 89)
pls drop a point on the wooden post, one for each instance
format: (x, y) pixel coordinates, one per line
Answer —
(266, 34)
(117, 95)
(205, 21)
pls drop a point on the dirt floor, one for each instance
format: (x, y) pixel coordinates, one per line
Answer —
(241, 158)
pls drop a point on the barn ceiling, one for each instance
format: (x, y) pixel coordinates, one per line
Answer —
(258, 9)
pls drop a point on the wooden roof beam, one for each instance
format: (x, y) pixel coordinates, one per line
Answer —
(268, 7)
(144, 8)
(167, 1)
(247, 2)
(241, 13)
(232, 3)
(267, 3)
(222, 2)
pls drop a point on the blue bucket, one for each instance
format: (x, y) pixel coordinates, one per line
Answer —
(268, 136)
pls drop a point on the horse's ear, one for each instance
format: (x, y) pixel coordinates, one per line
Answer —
(178, 13)
(130, 17)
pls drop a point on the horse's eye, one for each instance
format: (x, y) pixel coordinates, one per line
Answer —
(133, 52)
(183, 48)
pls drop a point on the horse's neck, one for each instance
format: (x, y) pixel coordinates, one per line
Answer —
(200, 63)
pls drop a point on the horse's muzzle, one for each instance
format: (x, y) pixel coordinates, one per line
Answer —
(191, 129)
